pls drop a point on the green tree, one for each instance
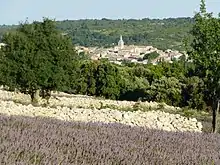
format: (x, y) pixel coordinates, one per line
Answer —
(193, 93)
(36, 58)
(205, 53)
(107, 80)
(167, 90)
(86, 83)
(151, 56)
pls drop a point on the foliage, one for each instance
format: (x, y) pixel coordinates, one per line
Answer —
(166, 90)
(173, 84)
(107, 81)
(151, 56)
(36, 57)
(194, 93)
(160, 33)
(205, 52)
(83, 56)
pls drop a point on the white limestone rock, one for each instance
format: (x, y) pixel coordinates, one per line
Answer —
(89, 111)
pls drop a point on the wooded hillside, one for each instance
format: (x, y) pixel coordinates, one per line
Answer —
(160, 33)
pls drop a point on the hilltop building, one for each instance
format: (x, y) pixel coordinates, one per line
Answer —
(121, 43)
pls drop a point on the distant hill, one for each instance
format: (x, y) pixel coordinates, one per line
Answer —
(160, 33)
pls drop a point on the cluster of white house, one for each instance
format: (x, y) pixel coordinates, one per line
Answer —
(132, 53)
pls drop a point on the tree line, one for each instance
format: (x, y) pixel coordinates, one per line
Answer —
(160, 33)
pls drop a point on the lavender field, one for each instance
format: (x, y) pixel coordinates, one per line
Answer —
(37, 140)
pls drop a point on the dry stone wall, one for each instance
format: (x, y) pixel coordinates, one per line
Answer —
(90, 109)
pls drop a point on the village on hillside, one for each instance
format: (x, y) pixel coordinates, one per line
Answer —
(130, 53)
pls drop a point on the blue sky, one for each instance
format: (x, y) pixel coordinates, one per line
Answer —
(13, 11)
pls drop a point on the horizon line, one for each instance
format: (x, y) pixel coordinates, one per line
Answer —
(100, 19)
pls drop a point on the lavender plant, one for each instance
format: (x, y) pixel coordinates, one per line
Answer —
(26, 140)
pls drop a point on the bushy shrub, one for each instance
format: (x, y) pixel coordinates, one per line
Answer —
(193, 93)
(173, 84)
(166, 90)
